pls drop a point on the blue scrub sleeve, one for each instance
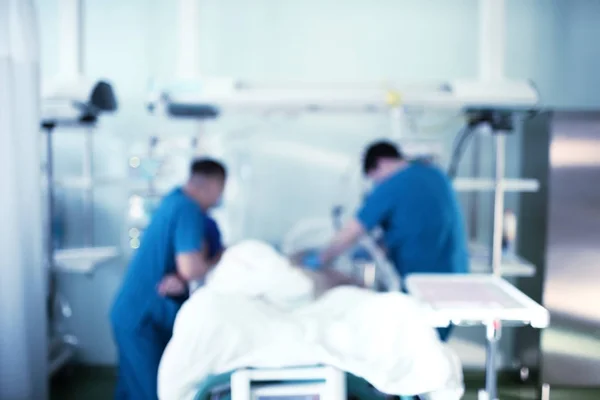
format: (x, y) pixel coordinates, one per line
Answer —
(189, 230)
(377, 206)
(213, 237)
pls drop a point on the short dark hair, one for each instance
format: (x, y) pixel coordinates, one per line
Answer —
(378, 151)
(209, 168)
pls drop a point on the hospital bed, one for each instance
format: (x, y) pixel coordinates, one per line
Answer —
(465, 300)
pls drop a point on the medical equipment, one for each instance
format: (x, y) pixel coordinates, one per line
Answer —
(76, 260)
(145, 167)
(161, 157)
(86, 257)
(77, 101)
(74, 100)
(477, 300)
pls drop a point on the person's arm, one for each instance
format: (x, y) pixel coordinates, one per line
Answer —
(328, 279)
(375, 209)
(342, 241)
(171, 285)
(189, 245)
(191, 266)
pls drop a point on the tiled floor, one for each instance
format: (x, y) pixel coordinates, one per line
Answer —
(98, 384)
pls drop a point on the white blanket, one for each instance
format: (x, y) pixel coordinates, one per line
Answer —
(256, 310)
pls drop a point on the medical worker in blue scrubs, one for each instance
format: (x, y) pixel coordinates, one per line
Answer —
(415, 205)
(172, 253)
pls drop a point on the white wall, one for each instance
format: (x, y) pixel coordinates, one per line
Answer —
(132, 42)
(581, 61)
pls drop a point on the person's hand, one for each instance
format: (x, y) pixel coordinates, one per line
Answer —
(171, 285)
(312, 261)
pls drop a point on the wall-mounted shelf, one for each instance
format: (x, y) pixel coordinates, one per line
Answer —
(139, 184)
(488, 185)
(83, 260)
(89, 183)
(511, 265)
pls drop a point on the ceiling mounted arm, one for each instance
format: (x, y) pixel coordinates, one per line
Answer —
(207, 99)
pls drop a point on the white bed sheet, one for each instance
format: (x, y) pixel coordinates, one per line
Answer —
(256, 310)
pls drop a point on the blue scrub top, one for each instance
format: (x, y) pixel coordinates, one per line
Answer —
(177, 226)
(422, 220)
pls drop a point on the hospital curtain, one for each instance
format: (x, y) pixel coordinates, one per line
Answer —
(23, 341)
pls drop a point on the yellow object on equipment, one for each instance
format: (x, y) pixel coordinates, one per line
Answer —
(393, 98)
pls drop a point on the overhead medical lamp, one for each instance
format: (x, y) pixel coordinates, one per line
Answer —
(161, 101)
(181, 110)
(78, 102)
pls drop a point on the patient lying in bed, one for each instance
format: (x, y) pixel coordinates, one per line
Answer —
(258, 310)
